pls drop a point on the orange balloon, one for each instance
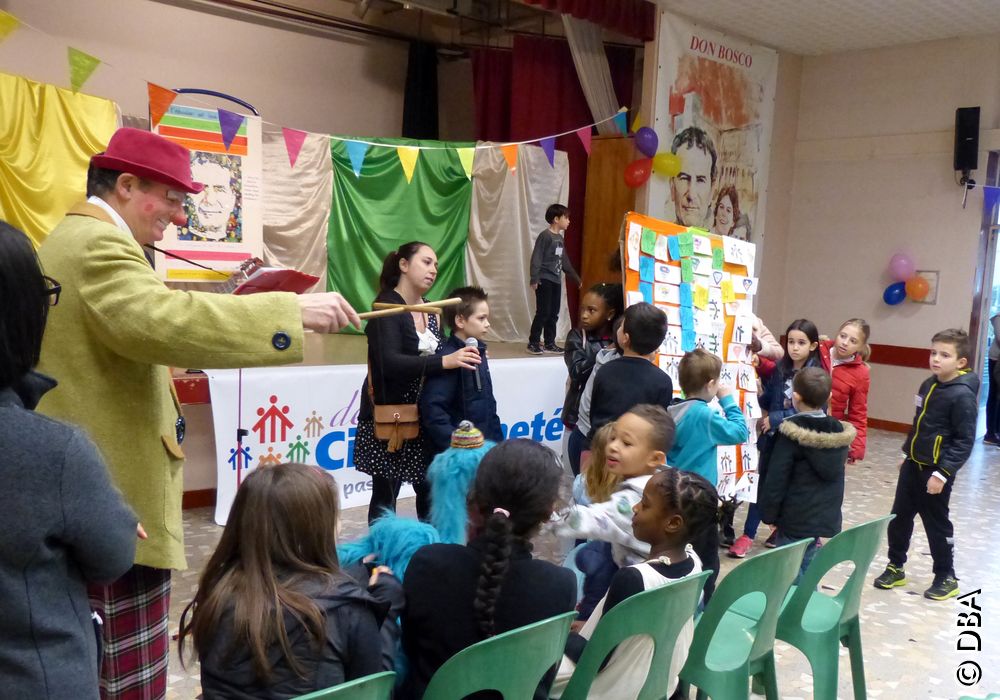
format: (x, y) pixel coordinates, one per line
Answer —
(917, 288)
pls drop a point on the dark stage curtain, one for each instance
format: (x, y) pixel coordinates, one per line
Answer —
(635, 18)
(420, 98)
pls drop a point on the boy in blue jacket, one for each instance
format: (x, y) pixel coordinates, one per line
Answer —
(461, 394)
(700, 430)
(940, 440)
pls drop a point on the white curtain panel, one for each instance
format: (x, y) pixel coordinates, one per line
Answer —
(586, 43)
(508, 213)
(297, 204)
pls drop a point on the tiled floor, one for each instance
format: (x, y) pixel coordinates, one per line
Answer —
(910, 643)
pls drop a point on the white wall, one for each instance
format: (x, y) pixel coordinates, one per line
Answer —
(873, 175)
(346, 85)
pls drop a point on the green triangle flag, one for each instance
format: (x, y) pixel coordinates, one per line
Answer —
(8, 23)
(466, 155)
(81, 67)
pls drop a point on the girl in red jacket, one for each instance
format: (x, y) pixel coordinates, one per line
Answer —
(845, 357)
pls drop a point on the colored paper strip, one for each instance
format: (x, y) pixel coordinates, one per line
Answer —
(81, 67)
(717, 258)
(646, 289)
(160, 99)
(647, 243)
(356, 152)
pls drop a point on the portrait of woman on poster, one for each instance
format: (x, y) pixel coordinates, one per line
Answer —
(726, 211)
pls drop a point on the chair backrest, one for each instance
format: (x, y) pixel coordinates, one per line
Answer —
(770, 573)
(858, 545)
(377, 686)
(659, 613)
(512, 663)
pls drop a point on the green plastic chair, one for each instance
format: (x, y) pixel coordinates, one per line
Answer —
(728, 648)
(377, 686)
(816, 624)
(658, 613)
(512, 663)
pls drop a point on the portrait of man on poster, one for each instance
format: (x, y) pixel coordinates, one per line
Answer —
(691, 188)
(214, 214)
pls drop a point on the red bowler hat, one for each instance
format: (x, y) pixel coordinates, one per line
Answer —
(151, 156)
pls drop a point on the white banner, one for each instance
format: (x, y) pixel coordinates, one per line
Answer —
(713, 108)
(310, 414)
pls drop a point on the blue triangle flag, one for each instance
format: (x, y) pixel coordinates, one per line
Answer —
(549, 146)
(622, 123)
(356, 151)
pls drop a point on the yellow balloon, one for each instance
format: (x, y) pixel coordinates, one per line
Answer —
(666, 164)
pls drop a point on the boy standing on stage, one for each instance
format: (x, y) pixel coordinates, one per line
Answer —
(548, 263)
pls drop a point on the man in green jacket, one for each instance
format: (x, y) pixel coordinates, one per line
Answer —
(110, 342)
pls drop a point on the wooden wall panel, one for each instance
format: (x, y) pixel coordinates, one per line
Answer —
(608, 199)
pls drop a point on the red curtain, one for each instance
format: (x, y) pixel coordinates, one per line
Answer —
(538, 84)
(635, 18)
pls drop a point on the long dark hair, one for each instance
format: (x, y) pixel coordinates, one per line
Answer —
(808, 328)
(24, 305)
(280, 534)
(520, 478)
(390, 265)
(689, 494)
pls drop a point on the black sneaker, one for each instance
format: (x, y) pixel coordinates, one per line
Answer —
(534, 349)
(772, 540)
(553, 348)
(892, 577)
(943, 588)
(991, 440)
(726, 539)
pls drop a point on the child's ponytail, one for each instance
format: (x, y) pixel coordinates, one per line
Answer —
(496, 560)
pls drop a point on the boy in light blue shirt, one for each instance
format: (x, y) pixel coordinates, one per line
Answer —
(700, 430)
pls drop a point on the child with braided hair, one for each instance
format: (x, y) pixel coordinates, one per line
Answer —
(675, 509)
(458, 595)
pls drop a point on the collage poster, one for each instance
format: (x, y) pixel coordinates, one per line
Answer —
(705, 285)
(223, 224)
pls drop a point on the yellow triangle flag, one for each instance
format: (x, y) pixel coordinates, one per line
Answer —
(466, 155)
(510, 155)
(81, 66)
(637, 122)
(8, 23)
(408, 159)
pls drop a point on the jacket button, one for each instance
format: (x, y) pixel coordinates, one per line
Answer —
(281, 340)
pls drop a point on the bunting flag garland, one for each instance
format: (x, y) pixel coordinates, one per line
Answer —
(81, 67)
(408, 159)
(637, 122)
(621, 123)
(160, 99)
(8, 23)
(466, 156)
(548, 145)
(510, 155)
(230, 123)
(356, 152)
(293, 143)
(584, 135)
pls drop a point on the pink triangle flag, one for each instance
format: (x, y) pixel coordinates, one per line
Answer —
(230, 123)
(548, 145)
(584, 135)
(293, 143)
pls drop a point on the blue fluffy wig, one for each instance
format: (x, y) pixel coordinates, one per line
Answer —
(392, 539)
(451, 475)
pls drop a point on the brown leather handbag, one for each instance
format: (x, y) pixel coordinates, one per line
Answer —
(395, 422)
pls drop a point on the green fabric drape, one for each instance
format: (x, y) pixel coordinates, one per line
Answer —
(47, 136)
(377, 212)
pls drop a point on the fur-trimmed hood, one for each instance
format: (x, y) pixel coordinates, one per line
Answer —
(822, 441)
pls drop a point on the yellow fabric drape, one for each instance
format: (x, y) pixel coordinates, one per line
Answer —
(47, 135)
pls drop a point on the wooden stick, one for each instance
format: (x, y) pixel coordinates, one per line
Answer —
(386, 309)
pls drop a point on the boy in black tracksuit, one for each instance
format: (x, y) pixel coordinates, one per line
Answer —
(943, 432)
(804, 490)
(548, 263)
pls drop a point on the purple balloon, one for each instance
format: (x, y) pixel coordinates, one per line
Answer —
(901, 267)
(647, 141)
(895, 293)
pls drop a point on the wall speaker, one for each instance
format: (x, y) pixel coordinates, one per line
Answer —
(966, 138)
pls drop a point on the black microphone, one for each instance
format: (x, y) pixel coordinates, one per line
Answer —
(473, 343)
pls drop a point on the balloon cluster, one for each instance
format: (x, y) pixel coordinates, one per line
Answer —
(908, 284)
(663, 164)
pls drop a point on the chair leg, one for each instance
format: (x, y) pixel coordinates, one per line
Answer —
(852, 640)
(825, 676)
(770, 678)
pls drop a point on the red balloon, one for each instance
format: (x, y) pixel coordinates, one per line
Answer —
(638, 171)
